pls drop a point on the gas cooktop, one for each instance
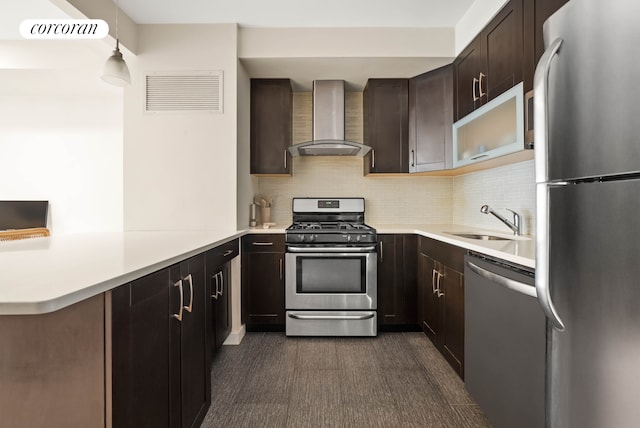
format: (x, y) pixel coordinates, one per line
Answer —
(326, 221)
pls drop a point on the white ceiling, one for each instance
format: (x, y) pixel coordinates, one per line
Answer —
(260, 13)
(300, 13)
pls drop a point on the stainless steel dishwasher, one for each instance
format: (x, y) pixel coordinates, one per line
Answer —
(505, 345)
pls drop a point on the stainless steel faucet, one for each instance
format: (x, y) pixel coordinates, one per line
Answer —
(514, 226)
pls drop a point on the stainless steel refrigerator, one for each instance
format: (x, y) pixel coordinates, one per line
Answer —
(587, 131)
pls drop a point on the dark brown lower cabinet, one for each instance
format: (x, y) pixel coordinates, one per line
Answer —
(441, 298)
(160, 349)
(263, 282)
(218, 271)
(397, 282)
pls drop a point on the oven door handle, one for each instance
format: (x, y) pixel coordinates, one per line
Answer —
(331, 317)
(368, 249)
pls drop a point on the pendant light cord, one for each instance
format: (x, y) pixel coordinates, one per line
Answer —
(117, 10)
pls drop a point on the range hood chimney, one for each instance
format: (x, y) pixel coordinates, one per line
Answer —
(328, 124)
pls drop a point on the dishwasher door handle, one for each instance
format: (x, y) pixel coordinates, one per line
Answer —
(517, 286)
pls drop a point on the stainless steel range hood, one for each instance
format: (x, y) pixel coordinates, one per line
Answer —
(328, 124)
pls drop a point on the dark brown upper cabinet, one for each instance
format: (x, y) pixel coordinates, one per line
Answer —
(430, 120)
(535, 14)
(271, 115)
(385, 121)
(492, 63)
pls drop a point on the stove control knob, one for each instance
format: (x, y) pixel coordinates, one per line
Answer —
(301, 238)
(312, 237)
(348, 238)
(358, 238)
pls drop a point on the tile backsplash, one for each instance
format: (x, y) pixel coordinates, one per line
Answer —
(406, 199)
(402, 199)
(512, 186)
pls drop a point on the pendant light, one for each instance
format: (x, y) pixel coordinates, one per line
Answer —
(116, 71)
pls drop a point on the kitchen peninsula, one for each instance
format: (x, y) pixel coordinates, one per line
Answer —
(56, 320)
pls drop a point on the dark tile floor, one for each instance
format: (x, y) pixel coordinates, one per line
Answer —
(393, 380)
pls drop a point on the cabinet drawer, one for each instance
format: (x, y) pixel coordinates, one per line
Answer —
(447, 254)
(263, 243)
(222, 254)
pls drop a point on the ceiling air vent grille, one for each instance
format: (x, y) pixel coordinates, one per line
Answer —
(170, 92)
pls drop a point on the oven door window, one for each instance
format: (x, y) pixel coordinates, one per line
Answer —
(343, 274)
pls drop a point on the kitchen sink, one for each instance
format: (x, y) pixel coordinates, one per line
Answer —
(481, 237)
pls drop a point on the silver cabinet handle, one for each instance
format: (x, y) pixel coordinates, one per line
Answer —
(542, 254)
(178, 316)
(541, 110)
(381, 251)
(373, 158)
(440, 293)
(413, 158)
(511, 284)
(221, 283)
(433, 281)
(281, 268)
(190, 307)
(331, 317)
(285, 158)
(482, 94)
(226, 253)
(479, 156)
(262, 244)
(475, 82)
(214, 278)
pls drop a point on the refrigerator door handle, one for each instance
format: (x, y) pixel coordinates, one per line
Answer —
(542, 253)
(541, 110)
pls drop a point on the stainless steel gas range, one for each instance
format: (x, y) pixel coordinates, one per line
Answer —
(331, 269)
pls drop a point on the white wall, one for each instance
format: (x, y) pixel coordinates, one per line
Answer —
(180, 169)
(61, 140)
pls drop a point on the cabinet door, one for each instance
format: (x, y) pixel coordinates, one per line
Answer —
(271, 115)
(263, 274)
(467, 67)
(222, 311)
(430, 305)
(430, 120)
(390, 286)
(141, 325)
(263, 282)
(385, 105)
(194, 373)
(452, 304)
(503, 51)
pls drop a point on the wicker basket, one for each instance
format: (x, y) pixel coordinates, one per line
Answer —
(36, 232)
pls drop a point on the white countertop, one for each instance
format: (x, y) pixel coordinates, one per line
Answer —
(520, 250)
(43, 275)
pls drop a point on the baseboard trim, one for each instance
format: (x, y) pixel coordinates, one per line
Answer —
(235, 337)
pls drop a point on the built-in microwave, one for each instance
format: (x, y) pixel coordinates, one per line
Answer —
(528, 119)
